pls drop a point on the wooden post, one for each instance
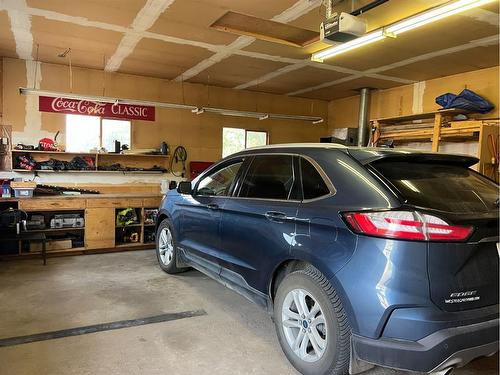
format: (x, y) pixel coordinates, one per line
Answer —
(437, 132)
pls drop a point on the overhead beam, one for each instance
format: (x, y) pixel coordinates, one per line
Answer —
(483, 42)
(300, 8)
(146, 17)
(20, 25)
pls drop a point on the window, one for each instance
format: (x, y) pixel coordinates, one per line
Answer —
(84, 133)
(219, 183)
(313, 185)
(234, 140)
(270, 177)
(112, 130)
(444, 187)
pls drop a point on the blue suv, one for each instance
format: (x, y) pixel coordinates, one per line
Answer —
(362, 256)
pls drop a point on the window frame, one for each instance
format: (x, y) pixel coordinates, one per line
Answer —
(294, 172)
(100, 130)
(218, 168)
(322, 175)
(247, 159)
(246, 132)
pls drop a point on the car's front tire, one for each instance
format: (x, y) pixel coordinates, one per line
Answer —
(311, 324)
(166, 248)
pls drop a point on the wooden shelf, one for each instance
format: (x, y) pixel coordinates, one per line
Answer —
(14, 151)
(130, 244)
(128, 226)
(54, 230)
(86, 171)
(420, 116)
(59, 251)
(142, 162)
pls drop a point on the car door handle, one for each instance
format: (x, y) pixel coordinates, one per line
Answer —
(213, 206)
(275, 216)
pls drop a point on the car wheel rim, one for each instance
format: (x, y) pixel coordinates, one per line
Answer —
(304, 325)
(166, 246)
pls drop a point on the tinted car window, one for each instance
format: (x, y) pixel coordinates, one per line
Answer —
(443, 187)
(219, 183)
(313, 184)
(269, 176)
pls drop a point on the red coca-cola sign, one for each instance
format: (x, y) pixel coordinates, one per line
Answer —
(92, 108)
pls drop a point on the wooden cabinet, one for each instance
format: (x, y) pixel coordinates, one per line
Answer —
(116, 202)
(152, 202)
(100, 232)
(99, 228)
(51, 204)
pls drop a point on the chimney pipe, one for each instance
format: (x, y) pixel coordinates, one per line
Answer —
(363, 128)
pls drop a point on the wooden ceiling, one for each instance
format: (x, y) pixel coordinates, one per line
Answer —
(172, 39)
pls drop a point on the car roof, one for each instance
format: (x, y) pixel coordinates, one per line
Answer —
(366, 155)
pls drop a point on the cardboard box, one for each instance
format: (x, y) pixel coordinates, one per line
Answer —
(51, 245)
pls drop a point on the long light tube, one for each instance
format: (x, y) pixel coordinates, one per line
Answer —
(369, 38)
(192, 108)
(410, 23)
(434, 14)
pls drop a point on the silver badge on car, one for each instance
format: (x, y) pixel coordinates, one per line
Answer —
(461, 297)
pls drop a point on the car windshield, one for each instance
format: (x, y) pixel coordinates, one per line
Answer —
(444, 187)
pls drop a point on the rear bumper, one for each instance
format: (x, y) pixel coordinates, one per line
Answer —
(450, 347)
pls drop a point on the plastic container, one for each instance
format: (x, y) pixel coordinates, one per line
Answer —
(23, 189)
(23, 192)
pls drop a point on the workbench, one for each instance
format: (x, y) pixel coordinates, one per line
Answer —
(100, 232)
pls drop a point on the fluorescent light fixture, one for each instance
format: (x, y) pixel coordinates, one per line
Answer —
(397, 28)
(434, 14)
(192, 108)
(369, 38)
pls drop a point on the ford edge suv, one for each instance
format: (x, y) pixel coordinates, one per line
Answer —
(362, 256)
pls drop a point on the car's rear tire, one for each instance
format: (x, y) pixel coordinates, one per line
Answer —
(166, 248)
(311, 324)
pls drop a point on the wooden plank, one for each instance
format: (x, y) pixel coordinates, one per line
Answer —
(437, 132)
(49, 204)
(99, 228)
(152, 202)
(259, 28)
(116, 202)
(420, 116)
(487, 163)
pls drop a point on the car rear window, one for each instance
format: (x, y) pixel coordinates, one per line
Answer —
(444, 187)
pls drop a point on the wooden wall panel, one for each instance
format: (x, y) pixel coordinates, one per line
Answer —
(400, 100)
(200, 134)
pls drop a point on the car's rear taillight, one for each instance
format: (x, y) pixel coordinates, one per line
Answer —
(405, 225)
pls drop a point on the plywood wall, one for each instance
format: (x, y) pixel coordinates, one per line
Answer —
(200, 134)
(416, 98)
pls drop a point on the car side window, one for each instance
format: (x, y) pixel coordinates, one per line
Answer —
(219, 183)
(269, 177)
(313, 185)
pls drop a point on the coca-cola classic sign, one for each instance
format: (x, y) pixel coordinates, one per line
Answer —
(92, 108)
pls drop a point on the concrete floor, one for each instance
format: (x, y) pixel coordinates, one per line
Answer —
(235, 337)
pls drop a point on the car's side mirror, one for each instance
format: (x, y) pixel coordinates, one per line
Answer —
(184, 187)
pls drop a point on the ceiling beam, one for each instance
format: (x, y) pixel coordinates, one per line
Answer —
(297, 10)
(20, 25)
(479, 14)
(221, 51)
(483, 42)
(146, 17)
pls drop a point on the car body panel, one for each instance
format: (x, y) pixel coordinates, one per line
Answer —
(392, 290)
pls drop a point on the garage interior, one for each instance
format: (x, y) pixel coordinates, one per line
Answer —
(105, 105)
